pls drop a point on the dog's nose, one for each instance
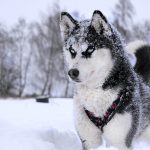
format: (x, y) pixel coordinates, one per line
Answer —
(73, 73)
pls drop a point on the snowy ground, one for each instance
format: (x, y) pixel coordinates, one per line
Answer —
(27, 125)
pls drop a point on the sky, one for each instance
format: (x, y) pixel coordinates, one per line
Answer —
(31, 10)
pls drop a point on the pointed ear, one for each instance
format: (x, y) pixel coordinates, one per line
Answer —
(100, 23)
(67, 24)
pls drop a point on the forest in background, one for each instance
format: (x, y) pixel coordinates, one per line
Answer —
(31, 59)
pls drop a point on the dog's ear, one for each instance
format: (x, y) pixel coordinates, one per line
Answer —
(67, 24)
(100, 23)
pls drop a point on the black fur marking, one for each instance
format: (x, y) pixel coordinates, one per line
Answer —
(99, 41)
(142, 66)
(88, 52)
(120, 75)
(72, 52)
(100, 13)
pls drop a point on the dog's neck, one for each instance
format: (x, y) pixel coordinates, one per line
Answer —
(91, 85)
(96, 82)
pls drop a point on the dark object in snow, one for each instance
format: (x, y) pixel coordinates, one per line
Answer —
(42, 99)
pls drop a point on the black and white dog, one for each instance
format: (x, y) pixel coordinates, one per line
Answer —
(111, 99)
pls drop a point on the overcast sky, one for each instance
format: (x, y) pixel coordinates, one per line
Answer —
(11, 10)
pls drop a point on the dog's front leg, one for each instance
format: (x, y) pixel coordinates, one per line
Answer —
(89, 134)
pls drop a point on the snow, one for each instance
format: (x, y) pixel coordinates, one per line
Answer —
(28, 125)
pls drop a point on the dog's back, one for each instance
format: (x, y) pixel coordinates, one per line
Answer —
(141, 51)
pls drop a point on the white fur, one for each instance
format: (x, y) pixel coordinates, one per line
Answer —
(87, 131)
(117, 129)
(100, 64)
(97, 101)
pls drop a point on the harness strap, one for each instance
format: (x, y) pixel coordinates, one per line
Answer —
(109, 114)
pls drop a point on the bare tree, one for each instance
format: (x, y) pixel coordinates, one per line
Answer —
(48, 45)
(8, 72)
(141, 31)
(31, 56)
(42, 44)
(123, 18)
(21, 38)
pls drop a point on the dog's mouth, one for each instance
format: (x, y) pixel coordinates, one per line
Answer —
(76, 80)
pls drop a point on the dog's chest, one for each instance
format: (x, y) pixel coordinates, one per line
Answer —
(96, 100)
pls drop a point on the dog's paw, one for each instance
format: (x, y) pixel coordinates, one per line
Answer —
(89, 145)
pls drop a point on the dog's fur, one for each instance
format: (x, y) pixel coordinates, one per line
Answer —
(140, 56)
(95, 49)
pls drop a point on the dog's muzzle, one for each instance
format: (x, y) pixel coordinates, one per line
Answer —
(74, 73)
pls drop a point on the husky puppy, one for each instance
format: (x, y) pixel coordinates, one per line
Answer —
(110, 98)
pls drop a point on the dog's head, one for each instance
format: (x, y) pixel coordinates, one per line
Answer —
(87, 46)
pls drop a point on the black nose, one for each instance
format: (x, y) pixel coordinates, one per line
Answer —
(73, 73)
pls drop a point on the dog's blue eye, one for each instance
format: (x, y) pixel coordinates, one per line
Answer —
(90, 49)
(72, 52)
(88, 52)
